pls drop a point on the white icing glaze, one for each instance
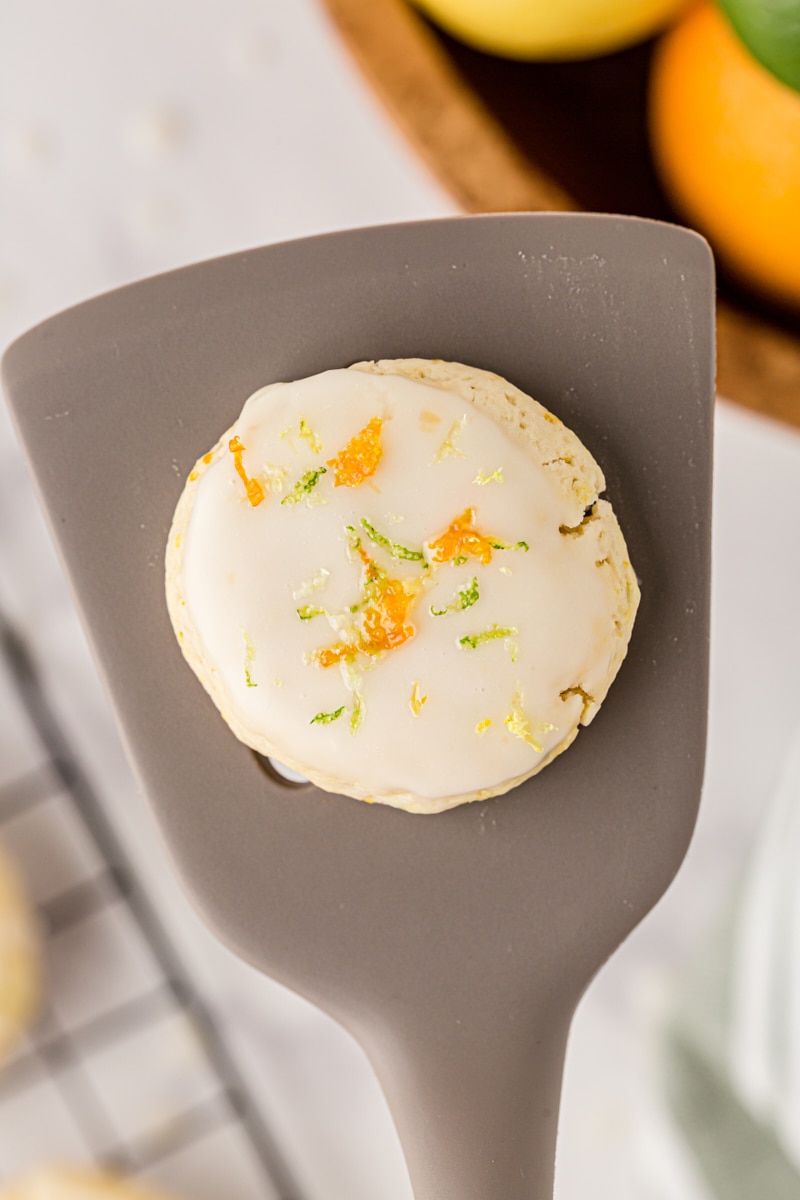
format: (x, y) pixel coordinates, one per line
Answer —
(247, 570)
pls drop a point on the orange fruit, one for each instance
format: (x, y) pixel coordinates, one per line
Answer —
(726, 139)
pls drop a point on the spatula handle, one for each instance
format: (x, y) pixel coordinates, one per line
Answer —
(477, 1112)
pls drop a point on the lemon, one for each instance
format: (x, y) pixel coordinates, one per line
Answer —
(556, 29)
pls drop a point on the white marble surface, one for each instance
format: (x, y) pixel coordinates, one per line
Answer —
(139, 137)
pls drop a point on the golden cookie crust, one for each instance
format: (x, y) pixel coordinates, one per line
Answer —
(75, 1183)
(20, 958)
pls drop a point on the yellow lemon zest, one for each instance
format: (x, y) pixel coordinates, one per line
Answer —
(495, 477)
(307, 433)
(416, 702)
(520, 725)
(275, 477)
(448, 448)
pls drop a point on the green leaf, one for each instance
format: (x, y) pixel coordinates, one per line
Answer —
(770, 29)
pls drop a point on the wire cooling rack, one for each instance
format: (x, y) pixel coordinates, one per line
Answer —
(125, 1068)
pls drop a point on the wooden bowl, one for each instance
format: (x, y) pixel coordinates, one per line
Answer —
(506, 136)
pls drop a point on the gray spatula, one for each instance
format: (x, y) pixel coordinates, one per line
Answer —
(454, 947)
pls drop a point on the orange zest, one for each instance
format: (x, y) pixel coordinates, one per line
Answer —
(462, 540)
(334, 654)
(206, 459)
(383, 623)
(372, 572)
(360, 457)
(384, 626)
(255, 492)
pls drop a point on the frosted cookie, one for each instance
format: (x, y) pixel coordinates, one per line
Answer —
(74, 1183)
(20, 959)
(400, 580)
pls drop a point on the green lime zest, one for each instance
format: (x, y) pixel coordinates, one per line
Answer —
(323, 718)
(314, 584)
(394, 548)
(249, 655)
(305, 484)
(493, 633)
(372, 573)
(357, 715)
(465, 597)
(308, 611)
(352, 681)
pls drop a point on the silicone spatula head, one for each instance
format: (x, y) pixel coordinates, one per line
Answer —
(455, 947)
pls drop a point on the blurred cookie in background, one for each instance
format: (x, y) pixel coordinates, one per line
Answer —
(75, 1183)
(20, 958)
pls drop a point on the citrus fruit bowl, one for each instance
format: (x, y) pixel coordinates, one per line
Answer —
(502, 134)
